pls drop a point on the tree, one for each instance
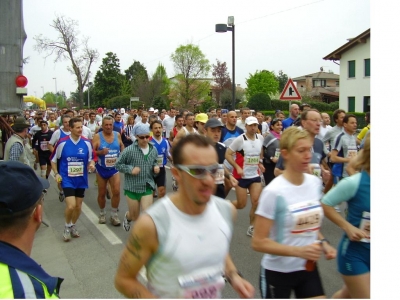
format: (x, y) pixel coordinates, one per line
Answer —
(190, 66)
(221, 78)
(108, 78)
(262, 82)
(188, 96)
(260, 101)
(137, 75)
(282, 79)
(68, 46)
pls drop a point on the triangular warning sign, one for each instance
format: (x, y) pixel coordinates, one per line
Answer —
(290, 91)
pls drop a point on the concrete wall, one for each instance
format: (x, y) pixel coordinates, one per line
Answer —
(357, 87)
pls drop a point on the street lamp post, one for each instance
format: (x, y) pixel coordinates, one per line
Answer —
(55, 81)
(88, 93)
(224, 28)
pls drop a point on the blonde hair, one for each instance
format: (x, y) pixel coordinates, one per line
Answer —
(290, 137)
(364, 159)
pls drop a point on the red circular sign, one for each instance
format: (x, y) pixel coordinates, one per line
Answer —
(21, 81)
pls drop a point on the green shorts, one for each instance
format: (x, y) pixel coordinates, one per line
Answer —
(138, 196)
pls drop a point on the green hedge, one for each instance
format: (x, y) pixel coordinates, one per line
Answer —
(360, 116)
(321, 106)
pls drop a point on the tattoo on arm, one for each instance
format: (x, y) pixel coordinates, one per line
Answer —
(134, 246)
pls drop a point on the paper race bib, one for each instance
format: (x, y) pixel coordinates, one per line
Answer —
(160, 160)
(351, 152)
(277, 152)
(307, 217)
(365, 225)
(44, 145)
(75, 169)
(110, 160)
(252, 160)
(204, 285)
(219, 176)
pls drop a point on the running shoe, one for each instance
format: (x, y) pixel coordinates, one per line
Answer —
(61, 197)
(115, 220)
(126, 223)
(250, 231)
(66, 234)
(74, 232)
(102, 218)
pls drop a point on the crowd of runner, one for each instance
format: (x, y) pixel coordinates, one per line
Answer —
(295, 169)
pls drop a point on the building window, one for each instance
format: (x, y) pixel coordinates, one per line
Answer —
(352, 68)
(319, 82)
(351, 104)
(367, 105)
(337, 82)
(367, 67)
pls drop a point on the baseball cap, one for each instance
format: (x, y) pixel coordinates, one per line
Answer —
(99, 110)
(213, 123)
(20, 187)
(224, 111)
(20, 123)
(201, 118)
(151, 109)
(122, 110)
(251, 120)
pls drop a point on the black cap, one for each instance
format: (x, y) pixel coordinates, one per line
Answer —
(20, 187)
(213, 123)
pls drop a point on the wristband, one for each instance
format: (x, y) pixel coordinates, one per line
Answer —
(324, 240)
(228, 278)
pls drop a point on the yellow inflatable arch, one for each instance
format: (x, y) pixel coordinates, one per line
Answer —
(41, 103)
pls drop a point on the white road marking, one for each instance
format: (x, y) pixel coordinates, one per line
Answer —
(108, 234)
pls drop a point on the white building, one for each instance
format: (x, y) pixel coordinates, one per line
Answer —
(355, 72)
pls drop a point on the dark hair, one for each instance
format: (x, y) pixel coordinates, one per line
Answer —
(273, 122)
(73, 121)
(195, 139)
(68, 111)
(347, 117)
(189, 114)
(336, 113)
(155, 122)
(92, 114)
(178, 117)
(368, 117)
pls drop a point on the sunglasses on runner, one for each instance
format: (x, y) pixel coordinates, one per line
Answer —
(143, 137)
(199, 172)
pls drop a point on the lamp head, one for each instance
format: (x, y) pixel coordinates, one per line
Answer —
(231, 20)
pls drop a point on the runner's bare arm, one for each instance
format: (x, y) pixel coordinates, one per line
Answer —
(141, 245)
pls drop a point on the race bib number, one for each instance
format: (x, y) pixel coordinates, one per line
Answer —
(202, 286)
(365, 225)
(75, 169)
(219, 175)
(316, 170)
(160, 160)
(328, 146)
(307, 217)
(44, 145)
(351, 152)
(110, 161)
(252, 160)
(277, 152)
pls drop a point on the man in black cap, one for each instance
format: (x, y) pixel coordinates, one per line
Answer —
(21, 207)
(213, 129)
(15, 146)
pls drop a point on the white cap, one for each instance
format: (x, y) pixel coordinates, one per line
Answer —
(251, 120)
(156, 110)
(122, 110)
(151, 109)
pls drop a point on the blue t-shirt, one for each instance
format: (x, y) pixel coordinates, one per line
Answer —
(162, 149)
(287, 123)
(227, 136)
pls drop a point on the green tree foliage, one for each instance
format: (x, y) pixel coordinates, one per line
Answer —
(190, 66)
(159, 104)
(118, 101)
(207, 104)
(282, 79)
(260, 101)
(108, 79)
(262, 82)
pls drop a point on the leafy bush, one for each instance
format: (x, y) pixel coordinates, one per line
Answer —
(259, 101)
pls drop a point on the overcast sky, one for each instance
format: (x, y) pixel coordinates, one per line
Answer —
(288, 35)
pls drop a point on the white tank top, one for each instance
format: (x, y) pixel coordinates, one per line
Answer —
(192, 249)
(187, 131)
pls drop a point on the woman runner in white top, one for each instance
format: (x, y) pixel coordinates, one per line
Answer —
(287, 223)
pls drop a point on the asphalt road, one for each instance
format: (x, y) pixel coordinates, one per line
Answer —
(89, 263)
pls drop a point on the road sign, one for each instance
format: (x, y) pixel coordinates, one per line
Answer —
(290, 91)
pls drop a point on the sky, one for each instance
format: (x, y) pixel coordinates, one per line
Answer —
(288, 35)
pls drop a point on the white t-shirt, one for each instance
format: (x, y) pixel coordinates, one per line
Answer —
(297, 215)
(323, 131)
(241, 124)
(168, 124)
